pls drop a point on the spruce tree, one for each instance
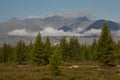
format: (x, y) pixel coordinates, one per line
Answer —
(47, 50)
(20, 52)
(56, 61)
(29, 51)
(93, 49)
(117, 51)
(64, 49)
(105, 46)
(37, 56)
(84, 52)
(74, 49)
(5, 53)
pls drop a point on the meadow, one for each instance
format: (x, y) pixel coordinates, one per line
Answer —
(69, 71)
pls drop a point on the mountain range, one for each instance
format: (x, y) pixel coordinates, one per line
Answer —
(54, 26)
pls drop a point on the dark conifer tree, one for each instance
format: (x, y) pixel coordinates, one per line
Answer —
(74, 49)
(29, 51)
(20, 52)
(93, 50)
(105, 46)
(56, 61)
(47, 50)
(64, 49)
(84, 52)
(5, 52)
(37, 56)
(117, 51)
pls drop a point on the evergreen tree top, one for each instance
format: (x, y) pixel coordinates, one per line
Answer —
(105, 34)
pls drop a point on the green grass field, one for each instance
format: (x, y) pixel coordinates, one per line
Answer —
(84, 71)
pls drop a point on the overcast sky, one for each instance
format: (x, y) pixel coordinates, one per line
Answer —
(102, 9)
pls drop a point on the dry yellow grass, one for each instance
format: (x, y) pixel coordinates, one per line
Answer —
(84, 71)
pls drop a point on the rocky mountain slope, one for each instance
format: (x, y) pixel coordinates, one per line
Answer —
(55, 26)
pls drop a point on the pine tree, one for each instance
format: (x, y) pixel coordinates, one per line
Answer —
(84, 52)
(117, 51)
(5, 53)
(37, 56)
(47, 50)
(93, 50)
(105, 46)
(29, 51)
(64, 49)
(20, 52)
(56, 61)
(74, 49)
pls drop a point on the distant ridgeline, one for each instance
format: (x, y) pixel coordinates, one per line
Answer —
(104, 50)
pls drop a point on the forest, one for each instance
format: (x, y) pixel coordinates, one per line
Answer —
(53, 60)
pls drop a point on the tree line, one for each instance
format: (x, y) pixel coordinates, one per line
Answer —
(104, 50)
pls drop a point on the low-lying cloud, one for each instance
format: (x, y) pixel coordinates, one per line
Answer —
(49, 31)
(92, 32)
(116, 33)
(22, 32)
